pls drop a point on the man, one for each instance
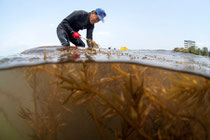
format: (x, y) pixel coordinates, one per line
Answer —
(67, 30)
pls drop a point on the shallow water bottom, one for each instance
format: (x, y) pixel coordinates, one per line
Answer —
(102, 101)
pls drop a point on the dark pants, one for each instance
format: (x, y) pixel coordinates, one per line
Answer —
(65, 39)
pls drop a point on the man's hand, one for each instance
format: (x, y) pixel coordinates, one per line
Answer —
(76, 35)
(92, 44)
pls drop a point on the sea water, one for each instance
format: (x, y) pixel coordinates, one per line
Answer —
(69, 93)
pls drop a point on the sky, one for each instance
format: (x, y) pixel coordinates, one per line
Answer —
(135, 24)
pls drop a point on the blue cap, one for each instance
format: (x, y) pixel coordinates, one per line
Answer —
(101, 14)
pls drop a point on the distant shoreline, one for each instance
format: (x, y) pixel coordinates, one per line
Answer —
(197, 51)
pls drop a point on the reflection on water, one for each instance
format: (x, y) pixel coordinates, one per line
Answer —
(102, 101)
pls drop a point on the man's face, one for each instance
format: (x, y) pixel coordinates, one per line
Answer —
(94, 18)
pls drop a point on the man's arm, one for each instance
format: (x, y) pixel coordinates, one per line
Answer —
(71, 18)
(67, 26)
(90, 35)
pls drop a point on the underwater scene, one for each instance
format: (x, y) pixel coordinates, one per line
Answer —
(54, 93)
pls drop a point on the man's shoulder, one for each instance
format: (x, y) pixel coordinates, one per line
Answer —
(80, 12)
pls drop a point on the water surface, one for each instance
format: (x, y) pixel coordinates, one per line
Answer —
(51, 93)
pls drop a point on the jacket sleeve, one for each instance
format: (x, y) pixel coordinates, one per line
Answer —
(70, 19)
(90, 32)
(90, 36)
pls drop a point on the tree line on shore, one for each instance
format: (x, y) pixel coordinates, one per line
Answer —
(204, 51)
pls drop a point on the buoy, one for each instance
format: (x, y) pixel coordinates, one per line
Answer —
(123, 48)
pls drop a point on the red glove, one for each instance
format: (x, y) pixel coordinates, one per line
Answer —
(76, 35)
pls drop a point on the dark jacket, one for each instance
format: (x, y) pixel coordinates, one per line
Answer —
(78, 20)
